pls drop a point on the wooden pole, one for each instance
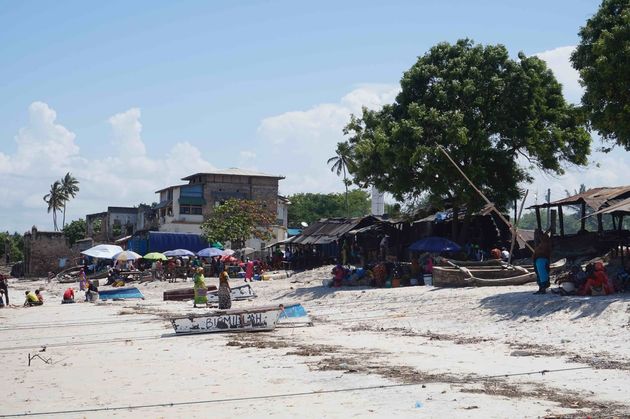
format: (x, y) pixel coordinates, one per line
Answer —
(538, 223)
(561, 220)
(516, 221)
(583, 219)
(482, 195)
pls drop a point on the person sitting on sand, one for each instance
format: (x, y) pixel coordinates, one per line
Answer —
(68, 296)
(4, 288)
(40, 296)
(91, 295)
(31, 299)
(597, 282)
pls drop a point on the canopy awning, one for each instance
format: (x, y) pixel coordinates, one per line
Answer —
(620, 207)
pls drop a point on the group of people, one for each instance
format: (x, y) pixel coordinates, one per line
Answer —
(201, 290)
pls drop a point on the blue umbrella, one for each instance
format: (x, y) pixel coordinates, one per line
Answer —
(210, 252)
(435, 245)
(178, 252)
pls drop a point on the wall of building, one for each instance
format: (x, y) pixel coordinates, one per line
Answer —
(45, 251)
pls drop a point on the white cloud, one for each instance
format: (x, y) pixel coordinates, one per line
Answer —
(123, 175)
(558, 60)
(300, 142)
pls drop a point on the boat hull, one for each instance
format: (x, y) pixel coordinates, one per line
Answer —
(252, 320)
(450, 277)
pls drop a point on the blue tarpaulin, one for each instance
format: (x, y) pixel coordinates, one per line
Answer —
(435, 245)
(294, 310)
(120, 293)
(159, 241)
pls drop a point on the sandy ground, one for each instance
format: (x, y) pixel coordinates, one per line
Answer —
(406, 352)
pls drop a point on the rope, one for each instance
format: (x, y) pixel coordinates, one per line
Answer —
(265, 397)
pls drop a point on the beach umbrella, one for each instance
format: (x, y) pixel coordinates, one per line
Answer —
(246, 250)
(126, 255)
(217, 245)
(435, 245)
(155, 256)
(229, 259)
(179, 252)
(228, 252)
(103, 251)
(210, 252)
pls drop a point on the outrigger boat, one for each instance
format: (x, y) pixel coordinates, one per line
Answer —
(485, 276)
(256, 319)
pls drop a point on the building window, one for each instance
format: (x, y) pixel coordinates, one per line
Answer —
(190, 209)
(191, 191)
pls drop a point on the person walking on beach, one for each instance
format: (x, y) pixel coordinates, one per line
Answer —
(542, 259)
(225, 299)
(249, 271)
(201, 292)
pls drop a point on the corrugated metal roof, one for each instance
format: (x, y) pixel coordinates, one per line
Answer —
(622, 206)
(328, 230)
(233, 171)
(594, 198)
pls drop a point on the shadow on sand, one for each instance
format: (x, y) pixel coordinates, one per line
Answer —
(314, 293)
(514, 305)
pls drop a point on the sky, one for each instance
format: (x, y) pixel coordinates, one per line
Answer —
(132, 96)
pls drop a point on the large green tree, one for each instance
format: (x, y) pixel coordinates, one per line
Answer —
(75, 230)
(70, 188)
(309, 207)
(55, 199)
(603, 60)
(488, 111)
(13, 244)
(236, 221)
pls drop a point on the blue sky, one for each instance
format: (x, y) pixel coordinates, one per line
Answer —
(263, 85)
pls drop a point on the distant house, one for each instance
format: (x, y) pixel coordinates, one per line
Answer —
(118, 222)
(182, 208)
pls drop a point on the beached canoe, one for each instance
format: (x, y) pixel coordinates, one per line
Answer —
(464, 277)
(73, 274)
(183, 294)
(242, 292)
(256, 319)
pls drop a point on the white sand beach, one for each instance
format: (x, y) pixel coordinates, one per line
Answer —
(405, 352)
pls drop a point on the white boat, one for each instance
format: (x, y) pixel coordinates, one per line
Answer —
(243, 292)
(237, 320)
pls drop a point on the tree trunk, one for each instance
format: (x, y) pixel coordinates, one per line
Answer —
(454, 222)
(463, 234)
(345, 183)
(63, 224)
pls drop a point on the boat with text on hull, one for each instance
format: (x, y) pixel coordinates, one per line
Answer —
(253, 319)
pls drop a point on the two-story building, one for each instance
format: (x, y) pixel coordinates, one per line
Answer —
(182, 208)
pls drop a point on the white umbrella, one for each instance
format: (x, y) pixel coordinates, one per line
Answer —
(247, 250)
(178, 252)
(210, 252)
(127, 255)
(228, 252)
(103, 251)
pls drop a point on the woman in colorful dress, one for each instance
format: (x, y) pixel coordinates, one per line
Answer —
(225, 299)
(201, 292)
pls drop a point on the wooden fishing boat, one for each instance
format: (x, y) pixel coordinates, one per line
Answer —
(256, 319)
(465, 277)
(182, 294)
(242, 292)
(73, 275)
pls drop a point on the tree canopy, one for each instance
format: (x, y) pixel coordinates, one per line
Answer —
(238, 220)
(75, 230)
(603, 60)
(14, 244)
(488, 111)
(309, 207)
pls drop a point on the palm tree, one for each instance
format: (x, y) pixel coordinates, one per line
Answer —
(55, 200)
(70, 187)
(340, 164)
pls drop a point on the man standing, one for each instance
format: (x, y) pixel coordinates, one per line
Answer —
(4, 287)
(542, 259)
